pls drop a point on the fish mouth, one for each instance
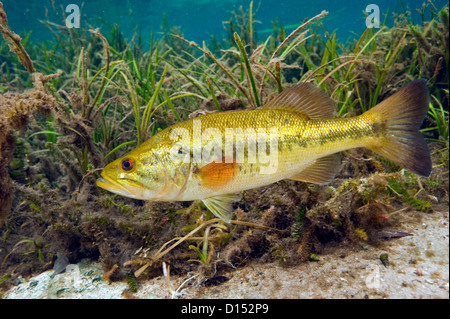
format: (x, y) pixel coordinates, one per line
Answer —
(132, 189)
(112, 186)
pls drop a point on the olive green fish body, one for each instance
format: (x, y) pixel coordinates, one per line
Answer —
(300, 141)
(294, 136)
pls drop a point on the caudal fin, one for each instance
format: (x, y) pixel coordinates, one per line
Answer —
(396, 124)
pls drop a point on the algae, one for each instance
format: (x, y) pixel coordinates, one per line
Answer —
(103, 94)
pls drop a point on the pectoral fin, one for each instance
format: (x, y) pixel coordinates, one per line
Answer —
(321, 172)
(221, 206)
(215, 174)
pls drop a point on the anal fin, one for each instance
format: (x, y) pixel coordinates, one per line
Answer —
(221, 206)
(321, 172)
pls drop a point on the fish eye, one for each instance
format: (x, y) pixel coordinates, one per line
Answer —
(127, 164)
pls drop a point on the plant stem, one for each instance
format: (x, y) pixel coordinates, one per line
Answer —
(247, 67)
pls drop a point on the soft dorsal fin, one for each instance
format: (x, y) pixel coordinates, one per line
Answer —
(305, 98)
(321, 172)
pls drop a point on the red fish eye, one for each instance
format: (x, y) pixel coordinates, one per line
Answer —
(127, 164)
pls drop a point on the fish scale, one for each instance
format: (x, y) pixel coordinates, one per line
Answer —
(303, 140)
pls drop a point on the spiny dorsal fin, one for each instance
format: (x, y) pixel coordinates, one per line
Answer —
(221, 206)
(304, 98)
(321, 172)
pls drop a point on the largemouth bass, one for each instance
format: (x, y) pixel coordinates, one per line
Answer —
(216, 156)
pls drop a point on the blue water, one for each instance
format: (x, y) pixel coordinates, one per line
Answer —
(200, 18)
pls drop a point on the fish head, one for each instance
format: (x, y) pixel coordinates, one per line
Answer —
(139, 175)
(153, 171)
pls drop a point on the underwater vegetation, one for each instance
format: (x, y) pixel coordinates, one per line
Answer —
(70, 106)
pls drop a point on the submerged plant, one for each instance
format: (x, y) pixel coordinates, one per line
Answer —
(440, 117)
(58, 130)
(14, 41)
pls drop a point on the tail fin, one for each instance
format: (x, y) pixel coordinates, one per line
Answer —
(397, 121)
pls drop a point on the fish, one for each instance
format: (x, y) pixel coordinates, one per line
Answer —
(296, 136)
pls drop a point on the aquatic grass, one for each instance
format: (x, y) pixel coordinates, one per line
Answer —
(383, 70)
(118, 147)
(184, 72)
(134, 104)
(247, 66)
(248, 69)
(170, 99)
(382, 51)
(205, 254)
(440, 117)
(148, 108)
(49, 134)
(87, 112)
(142, 121)
(250, 23)
(147, 85)
(172, 107)
(242, 22)
(365, 47)
(402, 190)
(213, 95)
(108, 75)
(295, 32)
(221, 66)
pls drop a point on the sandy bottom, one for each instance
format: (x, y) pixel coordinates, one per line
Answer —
(418, 268)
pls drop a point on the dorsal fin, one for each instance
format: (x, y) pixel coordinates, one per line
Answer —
(321, 172)
(304, 98)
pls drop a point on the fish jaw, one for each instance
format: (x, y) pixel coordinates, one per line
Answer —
(124, 187)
